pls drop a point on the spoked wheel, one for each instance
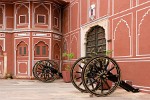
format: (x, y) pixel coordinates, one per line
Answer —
(101, 76)
(45, 70)
(76, 73)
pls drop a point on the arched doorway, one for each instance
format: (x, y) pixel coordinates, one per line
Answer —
(96, 41)
(22, 60)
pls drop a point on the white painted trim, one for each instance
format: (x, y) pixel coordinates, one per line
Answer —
(132, 60)
(34, 9)
(3, 12)
(76, 16)
(25, 19)
(50, 17)
(33, 45)
(56, 26)
(73, 36)
(138, 30)
(101, 22)
(130, 33)
(40, 15)
(22, 61)
(17, 31)
(4, 45)
(29, 11)
(113, 7)
(15, 54)
(126, 9)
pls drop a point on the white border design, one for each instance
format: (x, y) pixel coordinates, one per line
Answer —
(138, 30)
(130, 33)
(3, 13)
(76, 16)
(20, 62)
(25, 19)
(38, 19)
(76, 42)
(16, 12)
(34, 9)
(103, 22)
(15, 54)
(113, 38)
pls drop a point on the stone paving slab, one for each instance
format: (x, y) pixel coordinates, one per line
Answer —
(58, 90)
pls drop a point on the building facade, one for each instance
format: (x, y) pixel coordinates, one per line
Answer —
(33, 30)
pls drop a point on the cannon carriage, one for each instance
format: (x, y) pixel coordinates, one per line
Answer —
(99, 75)
(46, 70)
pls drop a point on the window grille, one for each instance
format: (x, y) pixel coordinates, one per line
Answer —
(38, 50)
(22, 19)
(43, 50)
(41, 19)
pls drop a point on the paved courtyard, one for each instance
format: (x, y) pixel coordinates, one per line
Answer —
(58, 90)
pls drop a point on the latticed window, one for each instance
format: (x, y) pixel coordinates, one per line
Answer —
(96, 41)
(22, 49)
(41, 49)
(22, 19)
(41, 19)
(37, 50)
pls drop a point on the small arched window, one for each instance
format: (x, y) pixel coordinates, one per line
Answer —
(41, 49)
(22, 49)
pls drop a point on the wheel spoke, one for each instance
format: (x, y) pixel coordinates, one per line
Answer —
(106, 83)
(91, 83)
(80, 84)
(102, 70)
(101, 86)
(78, 78)
(78, 72)
(111, 69)
(80, 66)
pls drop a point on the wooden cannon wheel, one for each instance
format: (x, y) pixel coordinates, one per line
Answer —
(101, 76)
(76, 72)
(45, 70)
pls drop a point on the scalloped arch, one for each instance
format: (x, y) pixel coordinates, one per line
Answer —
(121, 21)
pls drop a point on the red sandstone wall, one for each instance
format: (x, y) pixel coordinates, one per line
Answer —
(128, 32)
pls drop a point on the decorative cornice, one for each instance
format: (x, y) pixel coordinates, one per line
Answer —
(18, 31)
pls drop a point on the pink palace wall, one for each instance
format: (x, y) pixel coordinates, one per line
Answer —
(128, 31)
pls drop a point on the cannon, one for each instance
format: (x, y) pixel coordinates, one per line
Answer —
(46, 70)
(99, 76)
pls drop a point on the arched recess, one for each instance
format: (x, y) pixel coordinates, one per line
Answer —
(57, 51)
(65, 46)
(122, 44)
(144, 35)
(22, 49)
(41, 50)
(22, 60)
(22, 14)
(74, 46)
(56, 18)
(96, 41)
(41, 14)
